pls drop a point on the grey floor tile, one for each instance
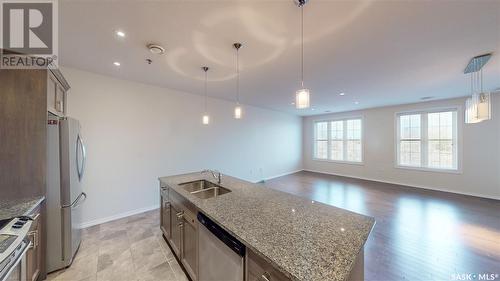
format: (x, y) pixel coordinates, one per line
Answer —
(161, 272)
(128, 249)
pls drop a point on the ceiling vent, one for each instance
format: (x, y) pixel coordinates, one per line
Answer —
(156, 49)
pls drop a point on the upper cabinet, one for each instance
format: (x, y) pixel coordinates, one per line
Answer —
(57, 88)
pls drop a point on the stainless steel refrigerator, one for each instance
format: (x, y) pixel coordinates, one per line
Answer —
(66, 158)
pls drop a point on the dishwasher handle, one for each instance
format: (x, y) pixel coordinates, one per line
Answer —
(224, 236)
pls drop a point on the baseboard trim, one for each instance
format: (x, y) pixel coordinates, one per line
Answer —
(277, 176)
(282, 175)
(405, 184)
(118, 216)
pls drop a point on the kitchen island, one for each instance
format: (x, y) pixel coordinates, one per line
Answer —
(300, 239)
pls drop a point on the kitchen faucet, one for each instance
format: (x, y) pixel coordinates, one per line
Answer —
(216, 174)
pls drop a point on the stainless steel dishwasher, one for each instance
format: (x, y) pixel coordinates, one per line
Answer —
(221, 256)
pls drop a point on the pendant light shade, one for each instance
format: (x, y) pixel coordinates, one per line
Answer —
(302, 99)
(238, 110)
(206, 118)
(302, 96)
(478, 106)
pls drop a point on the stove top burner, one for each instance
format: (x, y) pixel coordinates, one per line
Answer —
(4, 222)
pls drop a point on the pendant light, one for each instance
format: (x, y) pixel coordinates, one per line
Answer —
(206, 118)
(238, 110)
(302, 96)
(478, 106)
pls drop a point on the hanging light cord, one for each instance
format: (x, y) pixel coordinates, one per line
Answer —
(205, 91)
(238, 75)
(302, 45)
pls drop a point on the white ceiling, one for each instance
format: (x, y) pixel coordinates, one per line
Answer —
(377, 52)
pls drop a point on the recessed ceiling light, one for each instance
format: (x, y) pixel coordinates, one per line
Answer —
(120, 33)
(342, 94)
(312, 109)
(117, 63)
(292, 103)
(356, 102)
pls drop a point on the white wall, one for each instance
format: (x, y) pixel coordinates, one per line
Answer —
(480, 145)
(136, 133)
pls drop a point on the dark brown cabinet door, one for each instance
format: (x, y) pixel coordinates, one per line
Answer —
(34, 253)
(176, 229)
(190, 245)
(165, 217)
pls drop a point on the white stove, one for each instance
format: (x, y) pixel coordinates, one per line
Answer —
(13, 246)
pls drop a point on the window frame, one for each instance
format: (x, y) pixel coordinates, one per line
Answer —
(425, 140)
(344, 140)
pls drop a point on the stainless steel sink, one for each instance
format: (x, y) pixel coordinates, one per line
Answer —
(204, 189)
(197, 185)
(211, 192)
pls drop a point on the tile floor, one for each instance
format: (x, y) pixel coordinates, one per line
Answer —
(128, 249)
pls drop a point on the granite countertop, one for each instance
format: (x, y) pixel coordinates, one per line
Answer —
(18, 207)
(304, 239)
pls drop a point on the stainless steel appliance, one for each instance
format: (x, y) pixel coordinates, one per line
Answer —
(13, 246)
(222, 256)
(66, 158)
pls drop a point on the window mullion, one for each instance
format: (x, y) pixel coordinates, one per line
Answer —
(454, 140)
(344, 140)
(425, 140)
(328, 140)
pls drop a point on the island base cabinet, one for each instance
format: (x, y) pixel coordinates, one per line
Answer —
(358, 270)
(260, 270)
(165, 217)
(190, 245)
(175, 232)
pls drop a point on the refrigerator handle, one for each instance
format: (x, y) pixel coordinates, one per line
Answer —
(77, 202)
(81, 169)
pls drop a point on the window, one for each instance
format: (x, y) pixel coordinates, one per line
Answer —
(321, 140)
(428, 140)
(338, 140)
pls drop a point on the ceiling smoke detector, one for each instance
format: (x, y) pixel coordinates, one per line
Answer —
(156, 49)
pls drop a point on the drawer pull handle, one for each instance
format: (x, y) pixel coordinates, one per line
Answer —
(265, 276)
(180, 214)
(34, 240)
(35, 217)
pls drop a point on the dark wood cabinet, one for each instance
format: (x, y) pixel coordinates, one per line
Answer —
(24, 95)
(190, 244)
(165, 218)
(56, 95)
(34, 255)
(180, 227)
(175, 237)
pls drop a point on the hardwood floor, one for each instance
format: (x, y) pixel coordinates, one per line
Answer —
(420, 234)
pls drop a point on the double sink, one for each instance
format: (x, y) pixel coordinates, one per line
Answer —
(204, 189)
